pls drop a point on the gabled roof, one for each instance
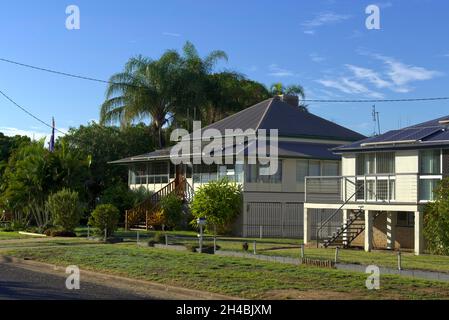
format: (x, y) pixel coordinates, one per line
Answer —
(434, 133)
(289, 120)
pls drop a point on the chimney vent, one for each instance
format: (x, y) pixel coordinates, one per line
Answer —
(290, 99)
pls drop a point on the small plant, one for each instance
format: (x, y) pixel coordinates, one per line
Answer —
(65, 209)
(159, 237)
(105, 217)
(192, 247)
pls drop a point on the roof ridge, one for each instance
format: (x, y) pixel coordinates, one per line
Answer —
(264, 114)
(236, 114)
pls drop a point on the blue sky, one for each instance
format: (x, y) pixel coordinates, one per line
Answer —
(322, 45)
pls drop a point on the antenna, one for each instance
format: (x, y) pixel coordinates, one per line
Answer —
(376, 120)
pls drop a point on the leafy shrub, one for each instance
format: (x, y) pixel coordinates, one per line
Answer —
(105, 216)
(171, 207)
(65, 209)
(436, 221)
(220, 202)
(156, 219)
(123, 198)
(66, 234)
(18, 225)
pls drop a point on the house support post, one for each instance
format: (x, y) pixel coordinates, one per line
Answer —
(419, 237)
(368, 230)
(126, 220)
(391, 229)
(345, 223)
(307, 226)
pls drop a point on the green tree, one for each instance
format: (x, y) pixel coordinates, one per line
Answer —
(229, 92)
(436, 221)
(7, 146)
(32, 174)
(220, 202)
(102, 144)
(65, 209)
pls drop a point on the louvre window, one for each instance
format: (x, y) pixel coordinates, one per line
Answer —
(375, 163)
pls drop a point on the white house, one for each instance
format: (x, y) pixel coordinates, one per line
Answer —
(385, 183)
(273, 205)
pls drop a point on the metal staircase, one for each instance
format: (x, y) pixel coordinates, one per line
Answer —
(140, 217)
(349, 230)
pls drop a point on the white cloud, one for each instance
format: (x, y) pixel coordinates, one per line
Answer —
(316, 58)
(322, 19)
(33, 134)
(276, 71)
(310, 32)
(349, 86)
(394, 75)
(171, 34)
(369, 75)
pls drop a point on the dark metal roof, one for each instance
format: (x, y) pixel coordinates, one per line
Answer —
(290, 121)
(158, 154)
(307, 150)
(430, 134)
(286, 149)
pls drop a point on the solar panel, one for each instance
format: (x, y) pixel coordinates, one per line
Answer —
(404, 135)
(443, 136)
(422, 133)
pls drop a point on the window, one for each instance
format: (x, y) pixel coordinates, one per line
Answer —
(302, 170)
(430, 162)
(385, 162)
(331, 169)
(203, 173)
(426, 188)
(254, 174)
(430, 173)
(375, 163)
(314, 168)
(405, 219)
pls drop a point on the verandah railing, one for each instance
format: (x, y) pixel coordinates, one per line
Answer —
(380, 188)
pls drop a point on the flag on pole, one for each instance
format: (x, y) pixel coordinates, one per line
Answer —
(52, 138)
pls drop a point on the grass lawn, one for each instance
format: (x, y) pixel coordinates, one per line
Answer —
(241, 277)
(11, 235)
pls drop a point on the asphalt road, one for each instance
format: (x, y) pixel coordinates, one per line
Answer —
(19, 283)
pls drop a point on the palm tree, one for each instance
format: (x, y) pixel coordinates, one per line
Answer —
(158, 89)
(278, 88)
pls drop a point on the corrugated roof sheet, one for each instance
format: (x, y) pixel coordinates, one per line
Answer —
(289, 120)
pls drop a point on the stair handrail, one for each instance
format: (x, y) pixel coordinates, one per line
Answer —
(152, 201)
(323, 224)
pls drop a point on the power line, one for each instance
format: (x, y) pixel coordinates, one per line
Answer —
(29, 113)
(66, 74)
(54, 71)
(376, 100)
